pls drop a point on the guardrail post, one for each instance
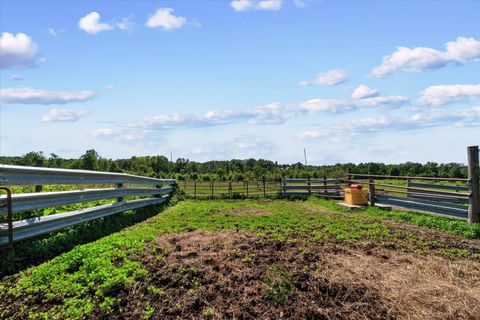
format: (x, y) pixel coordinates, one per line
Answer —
(308, 186)
(408, 187)
(9, 217)
(120, 185)
(371, 191)
(325, 190)
(473, 182)
(158, 186)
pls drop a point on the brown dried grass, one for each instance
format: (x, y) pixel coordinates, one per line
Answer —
(221, 275)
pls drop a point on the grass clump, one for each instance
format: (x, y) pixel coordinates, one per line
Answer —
(279, 284)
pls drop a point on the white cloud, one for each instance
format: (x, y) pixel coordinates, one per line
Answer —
(125, 24)
(52, 32)
(64, 115)
(16, 77)
(462, 50)
(246, 5)
(363, 91)
(428, 119)
(109, 87)
(270, 4)
(35, 96)
(17, 51)
(242, 5)
(329, 78)
(314, 134)
(268, 114)
(344, 105)
(444, 94)
(91, 23)
(301, 3)
(163, 18)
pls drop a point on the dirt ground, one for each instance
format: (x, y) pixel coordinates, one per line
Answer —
(237, 275)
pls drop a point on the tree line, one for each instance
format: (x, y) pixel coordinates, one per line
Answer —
(234, 170)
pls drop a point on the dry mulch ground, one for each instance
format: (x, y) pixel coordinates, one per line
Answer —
(238, 275)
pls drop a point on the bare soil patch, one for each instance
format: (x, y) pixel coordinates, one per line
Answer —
(237, 275)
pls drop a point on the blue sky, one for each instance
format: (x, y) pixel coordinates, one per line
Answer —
(350, 81)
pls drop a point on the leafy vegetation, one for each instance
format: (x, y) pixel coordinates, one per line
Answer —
(91, 276)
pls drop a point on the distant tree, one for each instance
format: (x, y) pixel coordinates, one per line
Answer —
(36, 159)
(89, 160)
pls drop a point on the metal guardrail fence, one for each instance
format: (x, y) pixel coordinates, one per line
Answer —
(445, 196)
(14, 231)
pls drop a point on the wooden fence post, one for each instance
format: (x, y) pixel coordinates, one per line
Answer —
(473, 182)
(211, 185)
(371, 191)
(230, 188)
(247, 188)
(195, 189)
(264, 191)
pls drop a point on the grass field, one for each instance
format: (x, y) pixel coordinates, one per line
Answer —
(266, 259)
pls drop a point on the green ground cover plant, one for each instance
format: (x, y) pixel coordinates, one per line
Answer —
(91, 277)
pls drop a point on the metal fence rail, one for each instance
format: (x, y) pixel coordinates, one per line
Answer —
(19, 175)
(32, 227)
(433, 195)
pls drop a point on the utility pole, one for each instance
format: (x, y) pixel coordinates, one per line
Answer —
(305, 155)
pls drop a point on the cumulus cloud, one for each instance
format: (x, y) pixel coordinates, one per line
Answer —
(91, 23)
(64, 115)
(444, 94)
(460, 51)
(17, 51)
(35, 96)
(246, 5)
(363, 91)
(329, 78)
(163, 18)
